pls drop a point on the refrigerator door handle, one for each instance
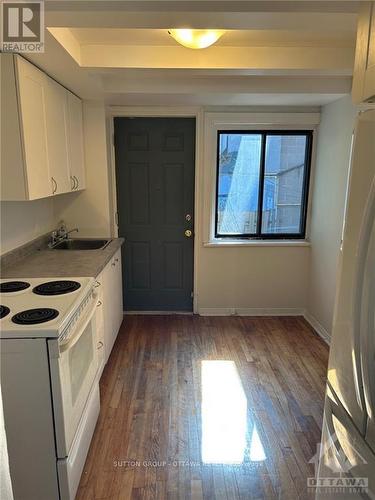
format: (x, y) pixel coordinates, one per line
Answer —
(347, 187)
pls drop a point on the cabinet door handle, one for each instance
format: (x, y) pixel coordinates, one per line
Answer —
(96, 284)
(99, 303)
(116, 260)
(72, 182)
(54, 185)
(113, 263)
(77, 181)
(100, 344)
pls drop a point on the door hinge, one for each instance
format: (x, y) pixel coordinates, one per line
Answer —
(192, 294)
(113, 139)
(116, 219)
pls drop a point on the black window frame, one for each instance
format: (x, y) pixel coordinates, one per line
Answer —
(305, 185)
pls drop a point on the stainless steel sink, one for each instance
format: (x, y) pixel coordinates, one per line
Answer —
(81, 244)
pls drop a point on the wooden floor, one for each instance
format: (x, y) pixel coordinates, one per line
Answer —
(148, 442)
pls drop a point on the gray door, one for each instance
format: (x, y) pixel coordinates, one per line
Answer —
(155, 199)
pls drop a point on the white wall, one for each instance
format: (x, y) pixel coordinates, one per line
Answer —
(252, 280)
(287, 279)
(89, 210)
(22, 221)
(259, 279)
(331, 170)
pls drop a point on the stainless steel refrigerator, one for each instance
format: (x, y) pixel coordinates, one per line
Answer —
(347, 453)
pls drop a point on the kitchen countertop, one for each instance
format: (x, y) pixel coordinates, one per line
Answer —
(47, 263)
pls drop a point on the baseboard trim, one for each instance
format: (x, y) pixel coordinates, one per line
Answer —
(157, 313)
(250, 311)
(247, 311)
(317, 327)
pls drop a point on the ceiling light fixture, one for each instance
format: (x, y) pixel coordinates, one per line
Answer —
(196, 39)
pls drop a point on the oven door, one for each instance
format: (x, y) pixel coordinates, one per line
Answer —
(73, 366)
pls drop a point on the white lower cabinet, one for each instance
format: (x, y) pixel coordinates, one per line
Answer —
(100, 324)
(110, 309)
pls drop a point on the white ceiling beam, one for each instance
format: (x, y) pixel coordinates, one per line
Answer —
(201, 20)
(327, 60)
(346, 6)
(244, 85)
(209, 99)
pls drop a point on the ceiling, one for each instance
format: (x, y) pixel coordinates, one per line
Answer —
(273, 52)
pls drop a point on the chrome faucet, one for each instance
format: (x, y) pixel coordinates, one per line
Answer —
(54, 239)
(60, 234)
(75, 230)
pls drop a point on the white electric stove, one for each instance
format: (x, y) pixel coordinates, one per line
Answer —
(42, 307)
(49, 367)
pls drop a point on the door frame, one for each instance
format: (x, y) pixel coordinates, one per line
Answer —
(160, 112)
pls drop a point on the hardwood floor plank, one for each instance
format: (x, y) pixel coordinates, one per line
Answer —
(148, 440)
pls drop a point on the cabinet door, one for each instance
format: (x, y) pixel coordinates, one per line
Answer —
(369, 84)
(117, 285)
(57, 136)
(76, 153)
(106, 281)
(114, 300)
(363, 89)
(111, 280)
(32, 103)
(100, 331)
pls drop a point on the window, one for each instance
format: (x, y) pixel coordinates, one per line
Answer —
(262, 183)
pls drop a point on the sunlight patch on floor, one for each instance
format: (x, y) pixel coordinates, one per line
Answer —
(224, 416)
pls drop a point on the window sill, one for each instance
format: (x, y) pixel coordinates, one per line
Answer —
(256, 243)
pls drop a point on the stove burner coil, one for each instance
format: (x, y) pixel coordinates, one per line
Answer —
(13, 286)
(56, 287)
(35, 316)
(4, 311)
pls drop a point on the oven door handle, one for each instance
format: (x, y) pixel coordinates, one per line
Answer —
(70, 342)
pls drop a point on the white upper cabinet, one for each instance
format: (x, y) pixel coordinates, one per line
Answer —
(75, 131)
(57, 137)
(32, 101)
(41, 134)
(364, 67)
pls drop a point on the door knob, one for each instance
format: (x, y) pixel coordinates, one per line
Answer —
(188, 233)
